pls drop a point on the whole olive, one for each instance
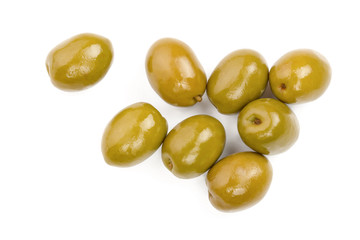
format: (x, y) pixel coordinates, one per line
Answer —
(238, 79)
(175, 73)
(239, 181)
(193, 145)
(133, 135)
(79, 62)
(268, 126)
(300, 76)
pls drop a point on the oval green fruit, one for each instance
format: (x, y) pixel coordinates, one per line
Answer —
(300, 76)
(175, 73)
(268, 126)
(79, 62)
(133, 135)
(239, 78)
(193, 146)
(239, 181)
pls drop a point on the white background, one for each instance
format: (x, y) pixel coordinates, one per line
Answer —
(54, 183)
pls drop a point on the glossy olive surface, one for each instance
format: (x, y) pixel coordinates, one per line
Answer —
(239, 181)
(239, 78)
(175, 73)
(133, 135)
(300, 76)
(193, 146)
(268, 126)
(79, 62)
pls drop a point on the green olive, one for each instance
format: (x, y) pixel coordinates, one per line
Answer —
(133, 135)
(239, 181)
(268, 126)
(79, 62)
(238, 79)
(175, 73)
(300, 76)
(193, 146)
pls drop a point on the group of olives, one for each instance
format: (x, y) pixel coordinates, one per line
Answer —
(193, 146)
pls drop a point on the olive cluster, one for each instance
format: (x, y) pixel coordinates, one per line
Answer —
(193, 146)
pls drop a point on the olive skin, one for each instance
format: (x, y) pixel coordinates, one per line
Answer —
(193, 146)
(175, 73)
(268, 126)
(239, 181)
(238, 79)
(133, 135)
(79, 62)
(300, 76)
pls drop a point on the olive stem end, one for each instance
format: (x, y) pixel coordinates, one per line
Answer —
(198, 98)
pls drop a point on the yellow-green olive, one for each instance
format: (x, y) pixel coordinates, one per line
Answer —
(300, 76)
(239, 181)
(175, 73)
(239, 78)
(193, 146)
(79, 62)
(268, 126)
(133, 135)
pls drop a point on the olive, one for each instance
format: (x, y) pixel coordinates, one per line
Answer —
(300, 76)
(79, 62)
(268, 126)
(238, 79)
(133, 135)
(193, 146)
(175, 73)
(239, 181)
